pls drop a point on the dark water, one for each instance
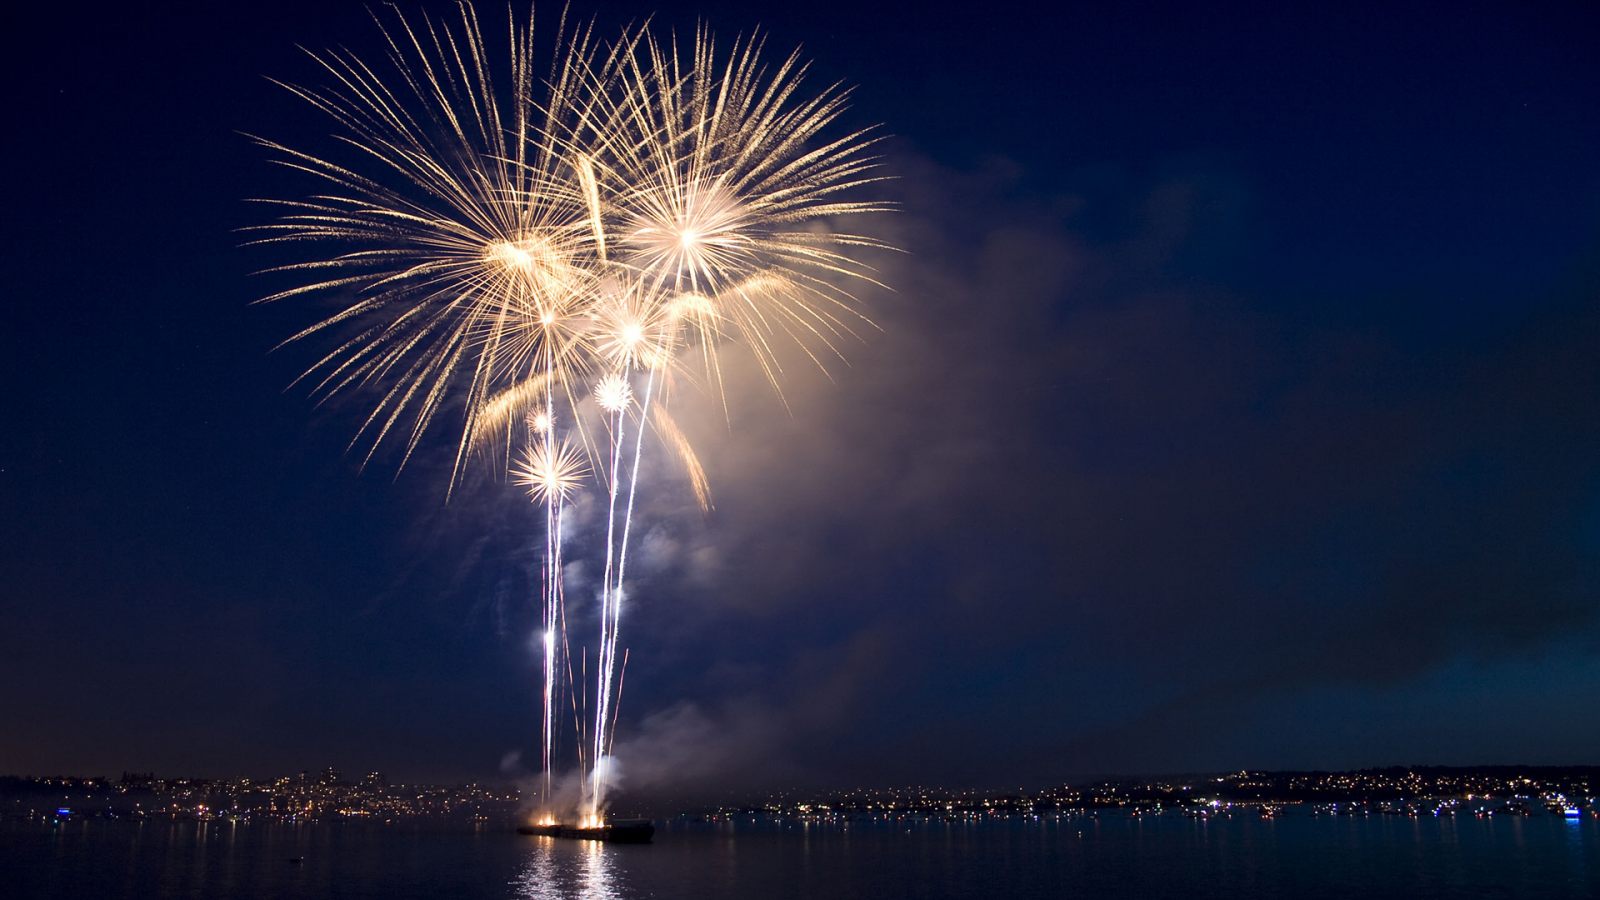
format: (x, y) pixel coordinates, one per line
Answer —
(1109, 856)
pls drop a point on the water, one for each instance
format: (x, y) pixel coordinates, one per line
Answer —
(1110, 856)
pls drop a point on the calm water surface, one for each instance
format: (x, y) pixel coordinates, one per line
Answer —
(1110, 856)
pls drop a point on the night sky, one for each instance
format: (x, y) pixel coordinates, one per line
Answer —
(1237, 405)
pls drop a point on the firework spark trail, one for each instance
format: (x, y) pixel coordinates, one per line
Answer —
(552, 612)
(551, 471)
(614, 395)
(627, 344)
(552, 563)
(552, 556)
(574, 685)
(616, 590)
(633, 481)
(616, 714)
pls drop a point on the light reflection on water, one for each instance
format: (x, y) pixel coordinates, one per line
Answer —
(1579, 859)
(1107, 856)
(568, 870)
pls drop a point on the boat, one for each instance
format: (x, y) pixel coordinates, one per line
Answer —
(622, 831)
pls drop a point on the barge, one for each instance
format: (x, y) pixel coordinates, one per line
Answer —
(623, 831)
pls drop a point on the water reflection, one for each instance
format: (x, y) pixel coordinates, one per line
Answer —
(538, 878)
(568, 870)
(1577, 851)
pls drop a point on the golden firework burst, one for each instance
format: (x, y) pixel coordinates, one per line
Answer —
(551, 470)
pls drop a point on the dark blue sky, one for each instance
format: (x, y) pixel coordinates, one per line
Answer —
(1236, 406)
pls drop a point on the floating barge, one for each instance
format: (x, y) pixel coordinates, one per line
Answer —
(625, 831)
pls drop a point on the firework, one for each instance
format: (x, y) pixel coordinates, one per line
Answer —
(551, 471)
(561, 250)
(613, 393)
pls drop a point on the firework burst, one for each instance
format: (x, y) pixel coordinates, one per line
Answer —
(551, 470)
(463, 243)
(613, 393)
(725, 192)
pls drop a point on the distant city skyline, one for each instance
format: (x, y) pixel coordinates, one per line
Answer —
(1480, 791)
